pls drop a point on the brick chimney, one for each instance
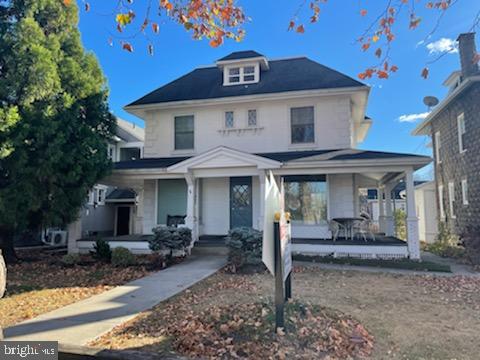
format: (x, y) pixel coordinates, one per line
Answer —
(467, 49)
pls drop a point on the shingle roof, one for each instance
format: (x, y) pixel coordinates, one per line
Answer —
(283, 75)
(238, 55)
(284, 157)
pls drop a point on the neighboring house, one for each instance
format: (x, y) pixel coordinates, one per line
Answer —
(454, 126)
(213, 135)
(109, 211)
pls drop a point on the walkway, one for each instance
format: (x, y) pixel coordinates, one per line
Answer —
(81, 322)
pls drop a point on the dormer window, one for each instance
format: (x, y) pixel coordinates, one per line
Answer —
(246, 74)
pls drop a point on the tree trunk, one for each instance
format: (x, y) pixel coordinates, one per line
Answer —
(6, 246)
(3, 277)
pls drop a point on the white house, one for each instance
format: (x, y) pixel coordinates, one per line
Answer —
(213, 134)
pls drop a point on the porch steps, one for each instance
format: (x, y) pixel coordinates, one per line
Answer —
(210, 244)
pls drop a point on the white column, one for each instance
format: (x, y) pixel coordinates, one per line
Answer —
(197, 207)
(139, 205)
(74, 234)
(261, 217)
(412, 219)
(389, 221)
(190, 220)
(381, 209)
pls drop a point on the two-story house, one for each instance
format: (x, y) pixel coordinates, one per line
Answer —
(454, 127)
(214, 134)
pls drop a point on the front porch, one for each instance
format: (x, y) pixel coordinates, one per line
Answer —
(224, 188)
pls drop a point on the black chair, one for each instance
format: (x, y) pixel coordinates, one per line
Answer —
(175, 220)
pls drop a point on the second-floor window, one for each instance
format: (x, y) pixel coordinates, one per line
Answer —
(229, 120)
(440, 202)
(451, 199)
(302, 125)
(252, 117)
(184, 132)
(438, 147)
(465, 192)
(461, 132)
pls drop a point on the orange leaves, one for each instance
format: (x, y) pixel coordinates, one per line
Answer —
(414, 22)
(67, 2)
(155, 28)
(363, 12)
(127, 46)
(300, 29)
(425, 73)
(365, 46)
(124, 19)
(382, 72)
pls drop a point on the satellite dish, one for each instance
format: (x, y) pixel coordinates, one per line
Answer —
(430, 101)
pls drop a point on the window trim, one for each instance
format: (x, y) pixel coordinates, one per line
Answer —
(464, 191)
(441, 200)
(241, 67)
(98, 200)
(248, 118)
(451, 199)
(438, 147)
(300, 144)
(183, 151)
(225, 119)
(461, 145)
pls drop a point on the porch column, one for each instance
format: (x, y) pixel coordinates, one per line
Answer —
(412, 219)
(139, 205)
(261, 217)
(190, 220)
(381, 209)
(389, 220)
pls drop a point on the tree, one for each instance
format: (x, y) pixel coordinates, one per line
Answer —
(54, 119)
(218, 20)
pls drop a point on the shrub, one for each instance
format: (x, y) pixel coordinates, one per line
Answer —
(102, 250)
(156, 261)
(400, 224)
(122, 257)
(170, 239)
(244, 247)
(446, 244)
(471, 241)
(70, 260)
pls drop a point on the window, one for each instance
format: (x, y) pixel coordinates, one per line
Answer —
(306, 199)
(100, 196)
(440, 202)
(302, 125)
(229, 120)
(438, 146)
(247, 74)
(184, 132)
(127, 154)
(91, 197)
(465, 192)
(461, 132)
(252, 117)
(451, 199)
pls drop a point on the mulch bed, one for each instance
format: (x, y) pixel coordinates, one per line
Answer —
(40, 283)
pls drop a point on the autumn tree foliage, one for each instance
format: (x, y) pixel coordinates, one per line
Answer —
(54, 118)
(219, 20)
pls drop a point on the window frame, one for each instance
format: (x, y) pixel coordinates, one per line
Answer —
(248, 117)
(100, 200)
(461, 130)
(441, 202)
(451, 199)
(225, 125)
(302, 143)
(438, 147)
(175, 117)
(241, 75)
(464, 191)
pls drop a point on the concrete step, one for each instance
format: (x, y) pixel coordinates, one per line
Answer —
(209, 250)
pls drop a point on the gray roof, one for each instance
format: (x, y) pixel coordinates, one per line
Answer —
(283, 75)
(239, 55)
(283, 157)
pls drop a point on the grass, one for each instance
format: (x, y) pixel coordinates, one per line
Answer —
(404, 264)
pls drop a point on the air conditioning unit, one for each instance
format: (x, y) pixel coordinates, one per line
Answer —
(55, 238)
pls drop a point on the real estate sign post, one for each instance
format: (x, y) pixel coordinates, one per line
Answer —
(276, 252)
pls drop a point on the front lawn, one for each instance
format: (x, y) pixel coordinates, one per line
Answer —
(41, 283)
(402, 317)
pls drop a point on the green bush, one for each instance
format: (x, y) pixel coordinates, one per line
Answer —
(170, 239)
(102, 250)
(471, 241)
(400, 224)
(122, 257)
(446, 244)
(70, 259)
(244, 247)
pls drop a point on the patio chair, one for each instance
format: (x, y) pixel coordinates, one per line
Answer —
(336, 229)
(175, 220)
(363, 228)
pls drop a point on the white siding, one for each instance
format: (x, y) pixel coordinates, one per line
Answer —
(149, 202)
(332, 127)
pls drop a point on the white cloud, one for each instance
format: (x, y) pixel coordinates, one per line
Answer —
(444, 45)
(413, 117)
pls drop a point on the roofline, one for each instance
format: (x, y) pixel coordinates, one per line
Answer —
(420, 129)
(452, 75)
(263, 59)
(247, 98)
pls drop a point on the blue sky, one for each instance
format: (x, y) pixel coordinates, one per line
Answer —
(330, 42)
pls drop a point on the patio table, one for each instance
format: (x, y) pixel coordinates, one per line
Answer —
(348, 223)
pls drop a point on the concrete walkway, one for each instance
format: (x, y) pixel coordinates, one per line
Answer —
(85, 320)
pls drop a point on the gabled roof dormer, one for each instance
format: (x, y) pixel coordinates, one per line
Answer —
(242, 67)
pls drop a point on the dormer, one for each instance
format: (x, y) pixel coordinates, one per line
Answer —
(242, 67)
(453, 80)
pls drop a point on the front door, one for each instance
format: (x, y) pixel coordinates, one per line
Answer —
(240, 201)
(123, 220)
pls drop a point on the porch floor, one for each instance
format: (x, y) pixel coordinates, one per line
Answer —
(380, 240)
